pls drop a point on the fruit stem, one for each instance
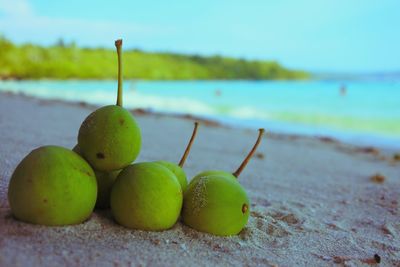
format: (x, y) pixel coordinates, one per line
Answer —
(187, 150)
(118, 45)
(247, 159)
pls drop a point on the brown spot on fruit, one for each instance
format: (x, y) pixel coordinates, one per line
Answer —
(121, 121)
(45, 200)
(244, 208)
(100, 155)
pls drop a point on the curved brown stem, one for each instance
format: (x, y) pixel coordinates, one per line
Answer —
(247, 159)
(187, 150)
(118, 45)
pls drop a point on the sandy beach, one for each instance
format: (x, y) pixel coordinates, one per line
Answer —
(313, 200)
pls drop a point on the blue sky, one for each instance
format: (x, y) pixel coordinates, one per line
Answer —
(331, 35)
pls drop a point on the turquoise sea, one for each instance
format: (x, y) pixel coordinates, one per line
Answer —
(367, 113)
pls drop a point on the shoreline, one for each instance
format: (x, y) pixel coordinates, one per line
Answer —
(356, 139)
(314, 201)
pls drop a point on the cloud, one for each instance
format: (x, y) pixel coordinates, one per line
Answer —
(15, 8)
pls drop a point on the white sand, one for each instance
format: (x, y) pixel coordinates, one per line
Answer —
(313, 203)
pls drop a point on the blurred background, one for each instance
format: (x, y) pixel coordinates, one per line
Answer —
(325, 68)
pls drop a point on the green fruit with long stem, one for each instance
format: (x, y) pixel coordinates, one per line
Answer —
(177, 168)
(109, 138)
(146, 196)
(52, 186)
(105, 181)
(216, 203)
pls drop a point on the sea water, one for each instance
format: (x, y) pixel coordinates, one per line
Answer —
(360, 112)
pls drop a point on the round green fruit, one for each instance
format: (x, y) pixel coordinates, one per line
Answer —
(177, 170)
(216, 204)
(105, 181)
(109, 138)
(212, 172)
(146, 196)
(52, 186)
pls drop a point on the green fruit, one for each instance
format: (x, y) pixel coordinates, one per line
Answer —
(146, 196)
(177, 171)
(109, 138)
(216, 203)
(105, 181)
(52, 186)
(177, 168)
(212, 172)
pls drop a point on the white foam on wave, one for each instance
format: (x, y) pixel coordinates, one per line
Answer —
(171, 104)
(246, 112)
(104, 93)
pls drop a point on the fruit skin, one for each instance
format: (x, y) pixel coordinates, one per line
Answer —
(109, 138)
(105, 181)
(77, 150)
(216, 204)
(146, 196)
(52, 186)
(213, 172)
(178, 171)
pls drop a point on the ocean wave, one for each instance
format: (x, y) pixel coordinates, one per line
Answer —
(187, 104)
(386, 126)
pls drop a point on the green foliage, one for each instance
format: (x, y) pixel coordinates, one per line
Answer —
(67, 61)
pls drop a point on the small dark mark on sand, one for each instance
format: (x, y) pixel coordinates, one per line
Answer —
(369, 150)
(377, 258)
(340, 260)
(327, 139)
(155, 241)
(83, 104)
(378, 178)
(203, 121)
(141, 111)
(260, 155)
(385, 230)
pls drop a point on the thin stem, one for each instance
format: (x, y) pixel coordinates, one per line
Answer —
(118, 45)
(247, 159)
(187, 150)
